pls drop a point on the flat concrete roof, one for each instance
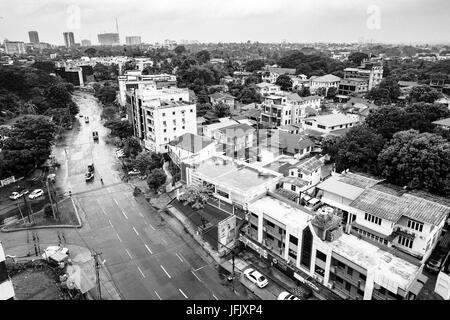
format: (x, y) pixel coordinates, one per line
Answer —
(390, 271)
(232, 174)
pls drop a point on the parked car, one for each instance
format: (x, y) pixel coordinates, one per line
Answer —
(134, 172)
(287, 296)
(86, 119)
(81, 116)
(434, 263)
(88, 176)
(36, 194)
(256, 277)
(15, 195)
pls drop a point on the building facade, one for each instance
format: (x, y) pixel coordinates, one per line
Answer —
(69, 39)
(331, 122)
(34, 37)
(86, 43)
(108, 39)
(133, 40)
(6, 287)
(15, 47)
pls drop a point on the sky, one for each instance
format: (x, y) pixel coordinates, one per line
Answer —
(386, 21)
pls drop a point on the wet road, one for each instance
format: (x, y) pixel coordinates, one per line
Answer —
(146, 256)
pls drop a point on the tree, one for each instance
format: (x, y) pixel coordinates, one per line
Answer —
(90, 52)
(203, 108)
(59, 95)
(180, 49)
(106, 94)
(203, 56)
(322, 91)
(285, 82)
(417, 160)
(129, 65)
(221, 110)
(254, 65)
(303, 91)
(386, 92)
(387, 121)
(357, 57)
(156, 179)
(196, 196)
(357, 150)
(249, 95)
(147, 161)
(424, 94)
(131, 147)
(120, 128)
(109, 113)
(420, 116)
(332, 91)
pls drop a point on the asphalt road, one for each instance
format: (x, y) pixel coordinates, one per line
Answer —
(145, 257)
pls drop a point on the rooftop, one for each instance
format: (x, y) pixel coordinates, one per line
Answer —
(191, 142)
(326, 78)
(237, 130)
(281, 165)
(390, 271)
(281, 70)
(234, 174)
(296, 181)
(331, 120)
(443, 122)
(308, 165)
(221, 95)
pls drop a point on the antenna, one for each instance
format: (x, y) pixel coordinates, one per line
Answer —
(117, 26)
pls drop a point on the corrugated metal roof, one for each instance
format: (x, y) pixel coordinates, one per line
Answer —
(378, 203)
(309, 165)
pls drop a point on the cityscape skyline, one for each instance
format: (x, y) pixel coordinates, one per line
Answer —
(292, 21)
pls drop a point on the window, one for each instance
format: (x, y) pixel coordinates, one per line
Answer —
(253, 226)
(192, 110)
(270, 237)
(339, 279)
(404, 241)
(173, 112)
(372, 218)
(415, 225)
(321, 256)
(360, 292)
(293, 240)
(270, 224)
(350, 271)
(363, 277)
(174, 129)
(163, 114)
(165, 138)
(293, 188)
(164, 130)
(292, 254)
(183, 127)
(164, 123)
(348, 286)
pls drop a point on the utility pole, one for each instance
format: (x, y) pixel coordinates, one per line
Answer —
(28, 209)
(50, 198)
(97, 273)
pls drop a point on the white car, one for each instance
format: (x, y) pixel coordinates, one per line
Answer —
(256, 277)
(15, 195)
(287, 296)
(134, 172)
(36, 194)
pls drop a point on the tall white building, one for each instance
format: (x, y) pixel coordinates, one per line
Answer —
(161, 115)
(133, 40)
(6, 287)
(15, 47)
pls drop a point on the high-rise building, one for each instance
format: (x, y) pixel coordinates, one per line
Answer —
(133, 40)
(69, 39)
(6, 287)
(34, 37)
(86, 43)
(108, 39)
(15, 47)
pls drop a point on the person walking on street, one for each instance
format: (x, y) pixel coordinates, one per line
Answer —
(101, 180)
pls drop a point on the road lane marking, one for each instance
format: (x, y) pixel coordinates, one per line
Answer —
(103, 210)
(201, 267)
(165, 242)
(116, 202)
(124, 214)
(151, 226)
(196, 276)
(157, 295)
(215, 297)
(181, 255)
(141, 272)
(183, 293)
(140, 214)
(148, 249)
(110, 223)
(118, 237)
(178, 257)
(166, 272)
(136, 231)
(128, 252)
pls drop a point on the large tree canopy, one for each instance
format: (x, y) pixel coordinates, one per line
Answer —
(285, 82)
(417, 160)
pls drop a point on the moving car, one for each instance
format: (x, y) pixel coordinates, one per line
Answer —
(88, 176)
(36, 193)
(86, 119)
(287, 296)
(256, 277)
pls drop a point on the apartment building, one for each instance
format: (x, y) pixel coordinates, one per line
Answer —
(160, 115)
(310, 245)
(191, 147)
(405, 222)
(132, 79)
(108, 39)
(361, 79)
(221, 97)
(6, 287)
(15, 47)
(133, 40)
(330, 123)
(327, 81)
(69, 39)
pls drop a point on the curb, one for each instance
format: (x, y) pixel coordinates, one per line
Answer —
(76, 226)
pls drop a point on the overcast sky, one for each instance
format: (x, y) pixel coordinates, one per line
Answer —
(389, 21)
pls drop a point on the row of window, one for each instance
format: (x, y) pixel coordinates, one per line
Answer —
(372, 218)
(372, 236)
(174, 122)
(416, 225)
(406, 242)
(173, 112)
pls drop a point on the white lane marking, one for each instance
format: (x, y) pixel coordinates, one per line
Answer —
(140, 214)
(115, 201)
(157, 295)
(148, 249)
(128, 252)
(118, 237)
(166, 272)
(183, 293)
(110, 223)
(165, 242)
(179, 257)
(141, 272)
(103, 210)
(124, 214)
(196, 276)
(215, 297)
(136, 231)
(201, 267)
(152, 226)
